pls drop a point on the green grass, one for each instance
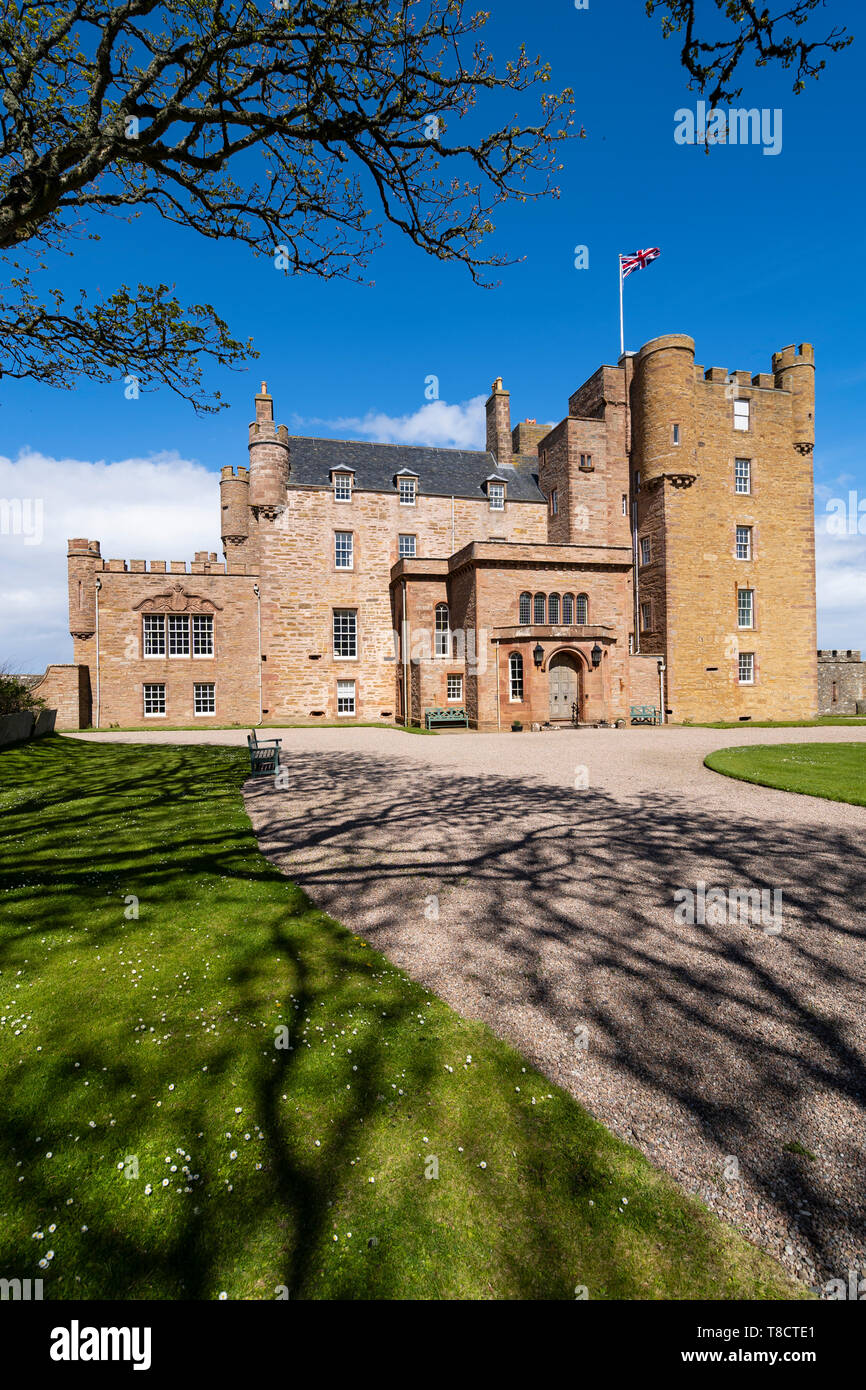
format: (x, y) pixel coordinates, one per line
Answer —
(824, 721)
(110, 729)
(148, 1043)
(835, 771)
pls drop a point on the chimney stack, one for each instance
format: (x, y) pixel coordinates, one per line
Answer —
(499, 422)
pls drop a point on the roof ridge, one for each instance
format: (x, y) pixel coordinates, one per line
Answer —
(381, 444)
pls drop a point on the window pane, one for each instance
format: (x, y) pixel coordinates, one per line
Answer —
(345, 632)
(525, 614)
(744, 607)
(202, 634)
(407, 491)
(154, 699)
(538, 615)
(178, 635)
(343, 487)
(744, 542)
(743, 475)
(553, 608)
(204, 699)
(406, 547)
(747, 668)
(496, 493)
(645, 550)
(455, 687)
(568, 608)
(154, 634)
(345, 697)
(741, 415)
(443, 633)
(515, 671)
(582, 609)
(343, 550)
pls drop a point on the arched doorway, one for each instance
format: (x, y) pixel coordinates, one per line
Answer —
(566, 688)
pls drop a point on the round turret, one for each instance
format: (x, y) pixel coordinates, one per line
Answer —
(794, 371)
(663, 396)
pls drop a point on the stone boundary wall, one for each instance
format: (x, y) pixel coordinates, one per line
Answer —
(18, 728)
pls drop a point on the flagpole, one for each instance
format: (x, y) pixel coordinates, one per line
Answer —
(621, 333)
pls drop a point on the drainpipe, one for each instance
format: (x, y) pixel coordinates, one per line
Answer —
(98, 587)
(452, 525)
(258, 595)
(662, 669)
(404, 645)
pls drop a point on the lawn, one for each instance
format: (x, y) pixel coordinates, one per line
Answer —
(824, 721)
(158, 1140)
(835, 771)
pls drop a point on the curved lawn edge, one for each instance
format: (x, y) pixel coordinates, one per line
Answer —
(829, 771)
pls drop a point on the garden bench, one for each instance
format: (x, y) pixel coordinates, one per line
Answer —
(456, 715)
(264, 757)
(644, 714)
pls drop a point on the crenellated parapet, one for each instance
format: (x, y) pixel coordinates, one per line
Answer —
(270, 465)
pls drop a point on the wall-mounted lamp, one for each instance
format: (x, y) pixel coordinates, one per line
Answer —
(596, 655)
(538, 653)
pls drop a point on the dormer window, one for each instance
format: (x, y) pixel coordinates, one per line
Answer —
(407, 488)
(343, 480)
(495, 492)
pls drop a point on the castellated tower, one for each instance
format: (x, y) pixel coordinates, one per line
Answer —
(84, 561)
(725, 548)
(269, 459)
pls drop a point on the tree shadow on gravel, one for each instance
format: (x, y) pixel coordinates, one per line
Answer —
(556, 911)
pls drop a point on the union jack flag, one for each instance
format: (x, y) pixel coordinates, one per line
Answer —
(638, 260)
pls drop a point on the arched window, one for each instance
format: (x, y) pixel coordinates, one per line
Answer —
(568, 608)
(443, 631)
(525, 615)
(582, 607)
(515, 677)
(553, 608)
(540, 604)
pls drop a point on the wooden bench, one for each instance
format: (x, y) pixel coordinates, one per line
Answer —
(644, 714)
(456, 715)
(264, 757)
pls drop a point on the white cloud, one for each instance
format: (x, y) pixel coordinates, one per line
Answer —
(840, 562)
(161, 508)
(437, 424)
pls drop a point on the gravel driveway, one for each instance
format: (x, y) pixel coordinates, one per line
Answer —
(529, 880)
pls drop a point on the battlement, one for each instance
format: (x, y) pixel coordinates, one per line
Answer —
(793, 357)
(240, 473)
(826, 654)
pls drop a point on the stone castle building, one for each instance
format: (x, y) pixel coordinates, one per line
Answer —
(841, 682)
(659, 538)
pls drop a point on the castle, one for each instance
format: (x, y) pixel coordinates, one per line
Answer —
(655, 548)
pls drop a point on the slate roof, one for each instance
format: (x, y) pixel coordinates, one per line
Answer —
(441, 472)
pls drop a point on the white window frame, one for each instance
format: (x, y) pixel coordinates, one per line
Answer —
(413, 551)
(442, 635)
(197, 698)
(515, 679)
(743, 607)
(407, 489)
(153, 713)
(347, 552)
(496, 496)
(645, 550)
(349, 693)
(343, 481)
(744, 546)
(178, 623)
(202, 625)
(451, 680)
(345, 629)
(743, 474)
(625, 504)
(746, 663)
(153, 624)
(646, 617)
(742, 413)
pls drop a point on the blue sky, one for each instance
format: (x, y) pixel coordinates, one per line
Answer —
(757, 251)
